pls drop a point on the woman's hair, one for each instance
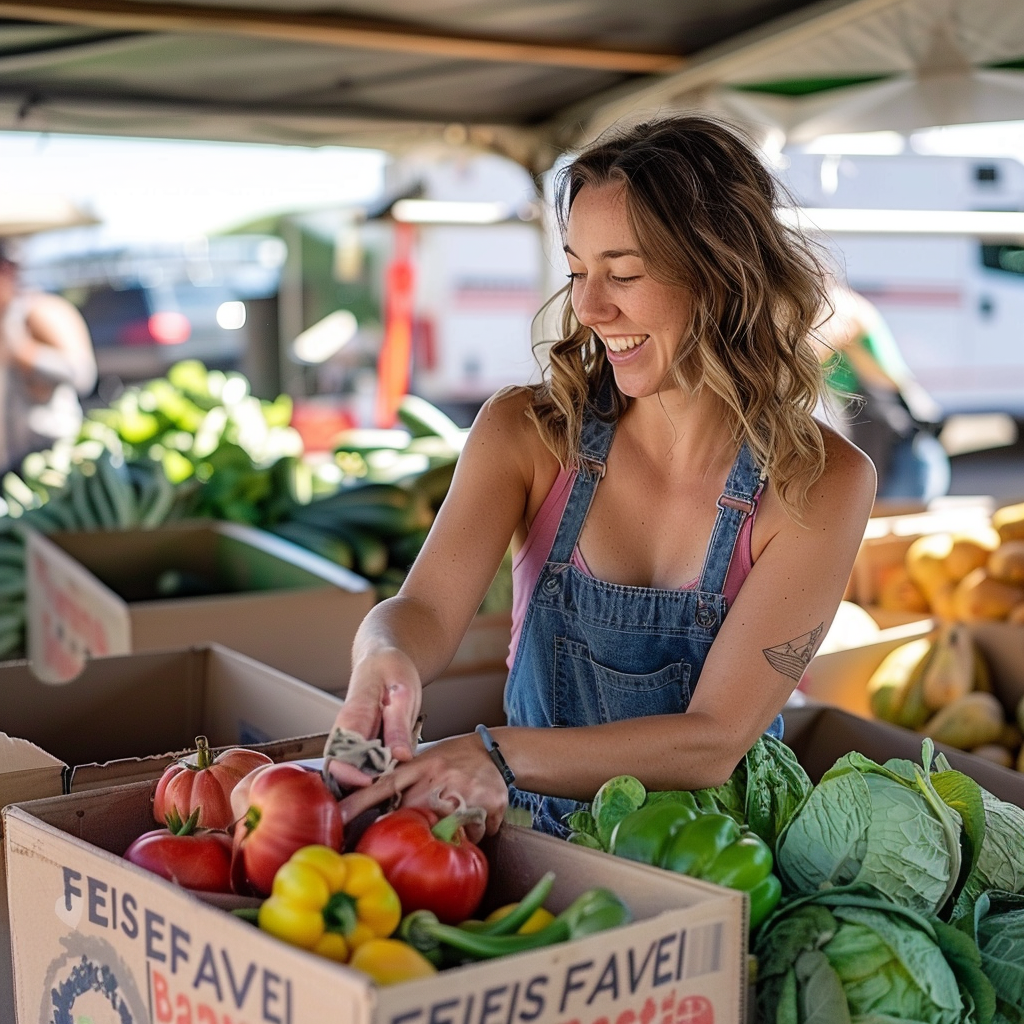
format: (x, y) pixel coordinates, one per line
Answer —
(702, 208)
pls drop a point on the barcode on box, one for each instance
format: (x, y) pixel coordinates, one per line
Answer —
(703, 953)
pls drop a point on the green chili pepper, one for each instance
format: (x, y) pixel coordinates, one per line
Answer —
(515, 919)
(593, 911)
(643, 834)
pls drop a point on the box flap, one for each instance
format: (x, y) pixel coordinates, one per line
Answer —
(17, 755)
(26, 772)
(820, 735)
(72, 616)
(256, 703)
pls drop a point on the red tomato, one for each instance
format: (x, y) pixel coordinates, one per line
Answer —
(195, 860)
(430, 863)
(205, 783)
(283, 808)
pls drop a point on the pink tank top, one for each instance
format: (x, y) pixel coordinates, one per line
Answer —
(530, 559)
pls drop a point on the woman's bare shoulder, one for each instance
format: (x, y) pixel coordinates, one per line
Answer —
(840, 498)
(503, 419)
(845, 491)
(848, 471)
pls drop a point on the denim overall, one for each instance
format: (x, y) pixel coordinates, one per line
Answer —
(592, 652)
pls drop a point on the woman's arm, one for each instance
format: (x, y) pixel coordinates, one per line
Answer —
(408, 640)
(55, 348)
(782, 613)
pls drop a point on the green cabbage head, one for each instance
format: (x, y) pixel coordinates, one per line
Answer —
(884, 826)
(848, 956)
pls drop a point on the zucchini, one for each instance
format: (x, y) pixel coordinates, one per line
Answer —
(321, 542)
(422, 419)
(371, 553)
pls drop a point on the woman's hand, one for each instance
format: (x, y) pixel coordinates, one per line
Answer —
(444, 776)
(383, 700)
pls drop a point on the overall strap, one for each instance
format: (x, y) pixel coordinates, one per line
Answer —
(595, 441)
(734, 505)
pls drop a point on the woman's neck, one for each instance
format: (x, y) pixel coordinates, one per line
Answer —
(675, 427)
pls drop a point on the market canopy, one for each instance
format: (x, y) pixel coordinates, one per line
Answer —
(529, 78)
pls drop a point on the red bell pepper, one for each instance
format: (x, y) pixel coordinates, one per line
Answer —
(430, 862)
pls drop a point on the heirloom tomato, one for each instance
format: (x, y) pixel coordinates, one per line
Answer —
(279, 809)
(196, 859)
(204, 783)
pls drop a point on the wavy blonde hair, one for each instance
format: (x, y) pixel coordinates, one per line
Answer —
(702, 208)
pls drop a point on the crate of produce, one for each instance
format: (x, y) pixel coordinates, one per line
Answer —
(99, 936)
(126, 718)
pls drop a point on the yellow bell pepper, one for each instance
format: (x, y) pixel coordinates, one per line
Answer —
(389, 961)
(330, 903)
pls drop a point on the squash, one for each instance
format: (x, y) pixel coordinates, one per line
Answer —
(979, 597)
(972, 721)
(1009, 522)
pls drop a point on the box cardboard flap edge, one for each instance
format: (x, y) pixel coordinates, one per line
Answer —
(233, 696)
(27, 771)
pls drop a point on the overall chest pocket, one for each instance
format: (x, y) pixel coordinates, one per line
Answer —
(588, 692)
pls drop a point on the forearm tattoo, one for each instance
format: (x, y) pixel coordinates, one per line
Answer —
(792, 657)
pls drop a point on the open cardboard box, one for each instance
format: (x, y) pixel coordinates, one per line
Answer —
(127, 718)
(840, 679)
(94, 594)
(887, 538)
(819, 735)
(98, 937)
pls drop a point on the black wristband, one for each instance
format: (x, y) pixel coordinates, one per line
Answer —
(495, 755)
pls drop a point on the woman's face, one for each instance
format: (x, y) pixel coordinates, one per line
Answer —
(640, 321)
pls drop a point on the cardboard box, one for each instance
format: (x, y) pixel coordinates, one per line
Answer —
(820, 735)
(885, 544)
(98, 936)
(484, 648)
(95, 594)
(126, 718)
(840, 679)
(471, 690)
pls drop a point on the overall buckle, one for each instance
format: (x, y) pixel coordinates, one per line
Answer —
(737, 504)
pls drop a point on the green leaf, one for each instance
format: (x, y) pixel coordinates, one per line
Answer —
(822, 999)
(613, 801)
(964, 957)
(999, 926)
(963, 795)
(822, 848)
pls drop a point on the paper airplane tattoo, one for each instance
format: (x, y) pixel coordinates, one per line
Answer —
(792, 658)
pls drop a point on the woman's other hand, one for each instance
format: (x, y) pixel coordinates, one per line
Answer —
(444, 776)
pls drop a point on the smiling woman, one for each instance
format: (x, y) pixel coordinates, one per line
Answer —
(683, 527)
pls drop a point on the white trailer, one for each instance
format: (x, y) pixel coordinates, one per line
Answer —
(955, 302)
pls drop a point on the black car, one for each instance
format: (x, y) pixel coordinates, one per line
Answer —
(148, 309)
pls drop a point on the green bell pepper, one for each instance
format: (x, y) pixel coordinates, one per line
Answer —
(643, 834)
(714, 847)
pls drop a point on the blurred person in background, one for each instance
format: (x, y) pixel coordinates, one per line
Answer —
(879, 403)
(46, 364)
